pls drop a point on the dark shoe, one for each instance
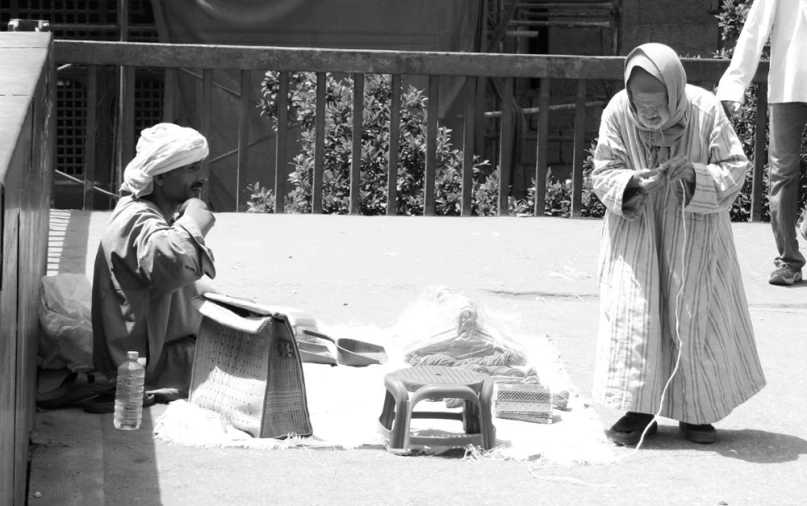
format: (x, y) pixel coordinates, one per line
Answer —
(628, 429)
(77, 388)
(785, 275)
(703, 434)
(106, 403)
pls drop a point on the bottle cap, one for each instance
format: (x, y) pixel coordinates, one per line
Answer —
(131, 355)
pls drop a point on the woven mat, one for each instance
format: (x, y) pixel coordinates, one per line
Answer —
(345, 403)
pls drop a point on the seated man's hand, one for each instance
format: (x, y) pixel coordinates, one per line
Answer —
(193, 203)
(198, 211)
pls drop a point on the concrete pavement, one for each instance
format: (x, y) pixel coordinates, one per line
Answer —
(365, 270)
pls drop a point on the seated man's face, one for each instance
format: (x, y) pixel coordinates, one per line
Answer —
(183, 183)
(651, 108)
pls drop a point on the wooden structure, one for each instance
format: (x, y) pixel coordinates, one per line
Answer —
(114, 20)
(508, 67)
(27, 84)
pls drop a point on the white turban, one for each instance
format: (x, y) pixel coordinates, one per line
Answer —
(162, 148)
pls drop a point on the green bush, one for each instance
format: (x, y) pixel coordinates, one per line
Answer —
(374, 148)
(375, 145)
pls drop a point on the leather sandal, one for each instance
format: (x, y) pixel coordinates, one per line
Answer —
(106, 403)
(704, 434)
(628, 429)
(77, 388)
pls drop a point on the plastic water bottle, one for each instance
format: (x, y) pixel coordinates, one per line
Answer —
(129, 393)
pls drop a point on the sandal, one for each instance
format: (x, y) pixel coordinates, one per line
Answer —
(704, 434)
(106, 403)
(77, 388)
(628, 429)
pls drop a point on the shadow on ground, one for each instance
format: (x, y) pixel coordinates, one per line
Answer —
(749, 445)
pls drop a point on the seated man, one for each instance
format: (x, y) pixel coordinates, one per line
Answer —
(675, 333)
(149, 260)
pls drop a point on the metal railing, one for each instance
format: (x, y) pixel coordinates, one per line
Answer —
(473, 66)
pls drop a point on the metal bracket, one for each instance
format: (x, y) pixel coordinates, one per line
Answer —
(29, 25)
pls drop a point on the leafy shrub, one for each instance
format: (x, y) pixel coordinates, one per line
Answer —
(374, 148)
(375, 145)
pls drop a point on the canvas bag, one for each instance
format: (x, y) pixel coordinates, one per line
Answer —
(247, 367)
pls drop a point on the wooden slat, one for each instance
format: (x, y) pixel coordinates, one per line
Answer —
(542, 145)
(90, 136)
(123, 19)
(206, 121)
(280, 150)
(243, 139)
(125, 121)
(468, 138)
(759, 152)
(11, 471)
(355, 157)
(506, 148)
(319, 145)
(431, 146)
(170, 89)
(579, 149)
(369, 61)
(394, 137)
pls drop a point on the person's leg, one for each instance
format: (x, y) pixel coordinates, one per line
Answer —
(787, 123)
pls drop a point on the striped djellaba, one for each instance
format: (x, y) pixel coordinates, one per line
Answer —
(679, 241)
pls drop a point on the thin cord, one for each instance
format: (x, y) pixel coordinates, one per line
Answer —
(677, 327)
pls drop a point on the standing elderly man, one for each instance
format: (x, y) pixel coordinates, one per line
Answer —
(785, 21)
(675, 335)
(149, 260)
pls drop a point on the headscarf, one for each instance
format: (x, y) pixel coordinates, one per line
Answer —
(160, 149)
(661, 62)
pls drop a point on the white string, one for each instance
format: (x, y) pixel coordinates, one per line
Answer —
(677, 325)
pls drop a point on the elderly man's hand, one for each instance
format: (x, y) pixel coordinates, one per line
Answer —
(192, 203)
(681, 168)
(649, 180)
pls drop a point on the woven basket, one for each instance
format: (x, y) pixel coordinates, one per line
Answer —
(247, 367)
(528, 402)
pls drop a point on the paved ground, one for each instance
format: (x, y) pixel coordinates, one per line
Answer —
(364, 270)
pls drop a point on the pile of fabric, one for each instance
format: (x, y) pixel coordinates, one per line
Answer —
(450, 329)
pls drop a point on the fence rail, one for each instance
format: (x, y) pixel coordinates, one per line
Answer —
(27, 89)
(475, 67)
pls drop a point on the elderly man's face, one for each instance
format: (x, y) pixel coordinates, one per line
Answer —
(183, 183)
(651, 108)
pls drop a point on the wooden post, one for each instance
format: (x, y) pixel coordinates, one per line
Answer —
(431, 146)
(355, 157)
(759, 152)
(170, 89)
(468, 138)
(542, 143)
(206, 122)
(91, 122)
(506, 147)
(319, 145)
(579, 149)
(394, 137)
(125, 119)
(243, 139)
(280, 150)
